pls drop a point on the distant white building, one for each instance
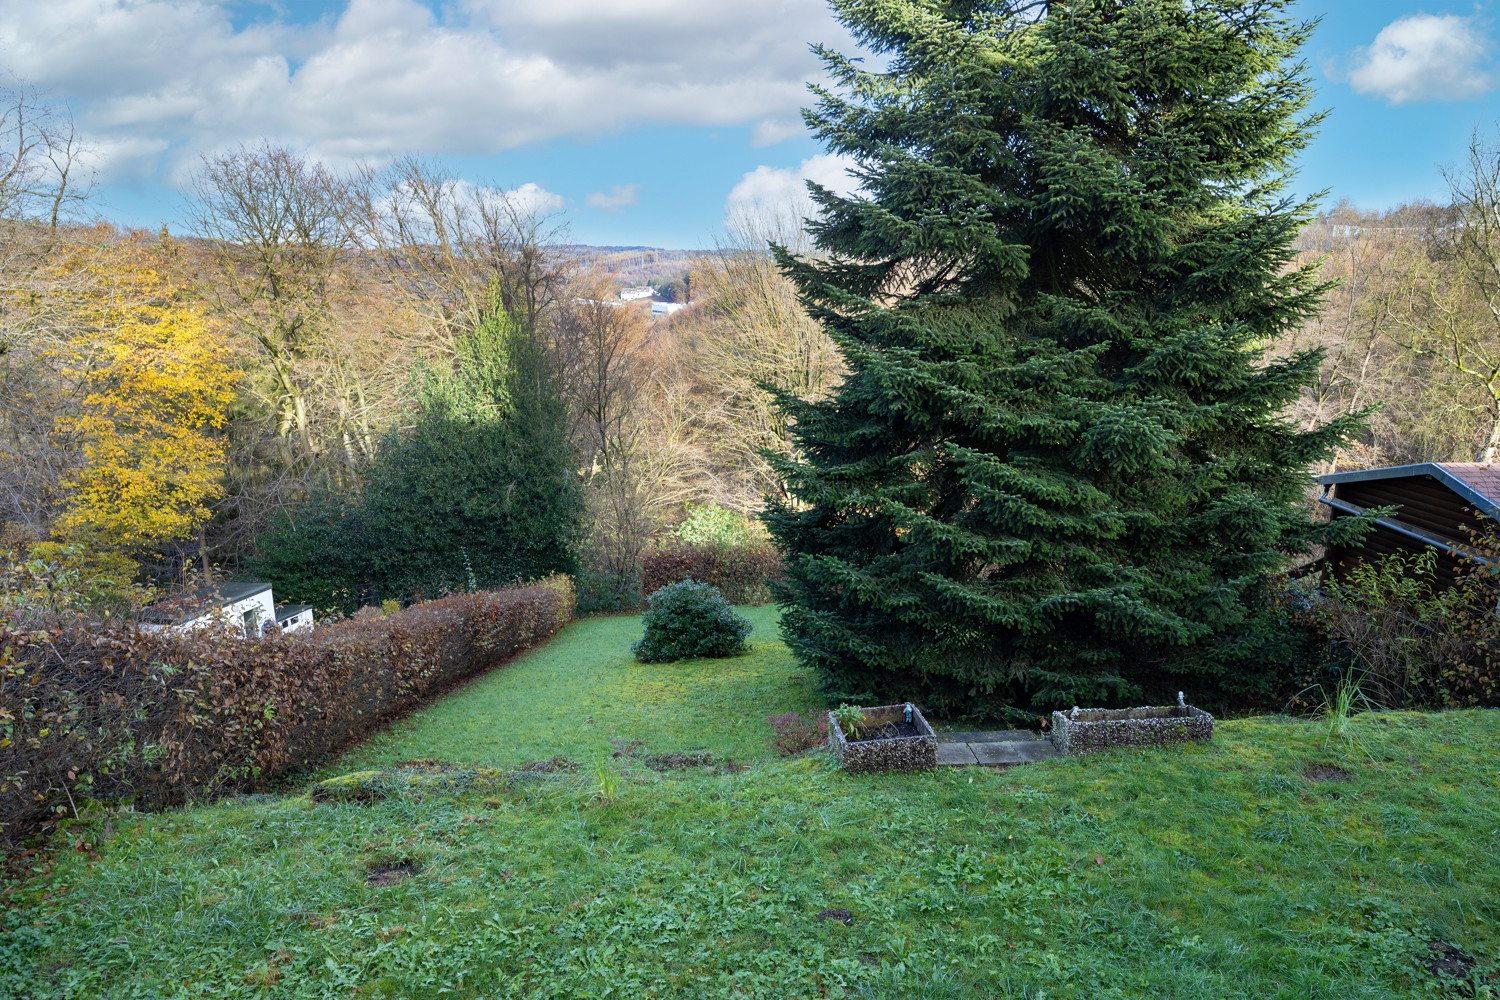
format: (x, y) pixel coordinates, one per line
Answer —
(639, 292)
(666, 308)
(244, 608)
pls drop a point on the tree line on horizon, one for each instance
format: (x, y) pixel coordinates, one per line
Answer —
(295, 334)
(1031, 418)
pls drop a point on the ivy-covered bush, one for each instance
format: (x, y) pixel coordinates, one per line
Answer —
(688, 620)
(478, 492)
(115, 713)
(711, 524)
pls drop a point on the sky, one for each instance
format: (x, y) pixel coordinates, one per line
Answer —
(647, 122)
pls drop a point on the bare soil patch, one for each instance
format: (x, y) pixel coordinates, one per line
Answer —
(392, 873)
(887, 731)
(1444, 960)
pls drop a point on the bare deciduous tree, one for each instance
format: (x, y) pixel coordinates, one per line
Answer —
(445, 242)
(276, 226)
(632, 420)
(1448, 305)
(1372, 258)
(46, 272)
(40, 154)
(749, 334)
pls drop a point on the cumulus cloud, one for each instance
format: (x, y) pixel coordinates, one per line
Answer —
(533, 199)
(618, 197)
(770, 131)
(380, 77)
(1425, 57)
(779, 194)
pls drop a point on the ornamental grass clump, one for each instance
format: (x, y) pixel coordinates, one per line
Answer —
(688, 620)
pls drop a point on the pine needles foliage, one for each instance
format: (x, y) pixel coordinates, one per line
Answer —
(1057, 471)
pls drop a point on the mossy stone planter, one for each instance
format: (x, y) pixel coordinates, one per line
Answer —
(917, 752)
(1086, 730)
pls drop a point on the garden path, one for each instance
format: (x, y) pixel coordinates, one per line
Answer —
(993, 748)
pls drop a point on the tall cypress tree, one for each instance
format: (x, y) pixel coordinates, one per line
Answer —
(1056, 472)
(480, 491)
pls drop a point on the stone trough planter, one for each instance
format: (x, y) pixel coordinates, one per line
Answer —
(1086, 730)
(916, 752)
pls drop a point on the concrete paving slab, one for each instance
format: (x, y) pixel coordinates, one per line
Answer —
(995, 754)
(1034, 750)
(988, 736)
(1013, 752)
(955, 754)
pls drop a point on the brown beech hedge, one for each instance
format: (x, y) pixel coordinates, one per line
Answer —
(117, 714)
(741, 572)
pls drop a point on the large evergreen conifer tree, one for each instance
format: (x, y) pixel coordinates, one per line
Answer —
(1056, 472)
(480, 491)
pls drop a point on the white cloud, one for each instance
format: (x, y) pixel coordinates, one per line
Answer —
(1425, 57)
(618, 197)
(533, 199)
(770, 131)
(779, 195)
(388, 76)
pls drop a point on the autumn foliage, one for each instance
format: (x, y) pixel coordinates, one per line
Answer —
(121, 714)
(741, 572)
(152, 381)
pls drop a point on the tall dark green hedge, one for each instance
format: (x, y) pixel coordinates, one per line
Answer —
(479, 493)
(1057, 471)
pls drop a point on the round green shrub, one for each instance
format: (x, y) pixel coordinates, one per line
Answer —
(687, 620)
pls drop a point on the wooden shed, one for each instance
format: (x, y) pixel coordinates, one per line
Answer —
(1439, 505)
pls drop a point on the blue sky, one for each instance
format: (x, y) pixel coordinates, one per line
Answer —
(646, 121)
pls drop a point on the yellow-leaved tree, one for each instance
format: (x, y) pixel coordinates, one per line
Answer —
(152, 382)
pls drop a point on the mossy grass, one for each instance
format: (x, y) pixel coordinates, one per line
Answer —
(584, 687)
(1225, 869)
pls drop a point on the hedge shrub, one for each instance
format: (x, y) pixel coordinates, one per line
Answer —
(687, 620)
(743, 573)
(117, 713)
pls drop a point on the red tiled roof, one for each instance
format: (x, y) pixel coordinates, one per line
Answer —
(1482, 477)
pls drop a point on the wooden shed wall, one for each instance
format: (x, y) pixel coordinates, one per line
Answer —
(1425, 503)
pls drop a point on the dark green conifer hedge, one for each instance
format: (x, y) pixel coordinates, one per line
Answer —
(480, 492)
(1057, 471)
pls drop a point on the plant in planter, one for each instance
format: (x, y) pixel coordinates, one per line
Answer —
(849, 718)
(887, 738)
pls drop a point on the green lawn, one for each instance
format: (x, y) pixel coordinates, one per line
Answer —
(583, 688)
(1220, 870)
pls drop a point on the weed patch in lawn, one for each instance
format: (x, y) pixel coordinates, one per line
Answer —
(678, 761)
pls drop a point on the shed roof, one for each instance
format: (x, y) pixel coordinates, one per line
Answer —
(1477, 482)
(201, 601)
